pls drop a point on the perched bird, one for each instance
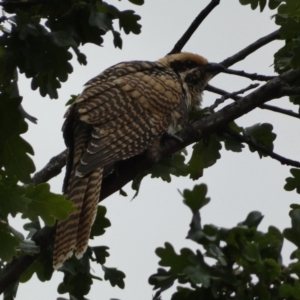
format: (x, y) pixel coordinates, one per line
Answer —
(121, 113)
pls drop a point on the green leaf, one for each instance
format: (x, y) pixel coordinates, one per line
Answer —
(199, 271)
(293, 183)
(261, 134)
(282, 58)
(12, 200)
(217, 253)
(231, 144)
(13, 149)
(15, 159)
(63, 39)
(196, 199)
(128, 20)
(118, 43)
(177, 263)
(100, 253)
(253, 3)
(136, 182)
(289, 28)
(205, 154)
(8, 243)
(290, 7)
(42, 267)
(10, 292)
(80, 284)
(273, 4)
(11, 121)
(295, 100)
(162, 280)
(137, 2)
(198, 275)
(100, 20)
(114, 276)
(293, 233)
(173, 166)
(27, 274)
(270, 244)
(29, 247)
(287, 291)
(253, 219)
(100, 223)
(47, 205)
(71, 100)
(32, 227)
(122, 193)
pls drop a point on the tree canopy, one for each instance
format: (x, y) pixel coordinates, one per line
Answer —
(38, 39)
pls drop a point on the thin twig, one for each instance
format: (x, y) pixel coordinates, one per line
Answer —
(219, 91)
(253, 76)
(231, 95)
(287, 112)
(280, 110)
(193, 27)
(250, 49)
(283, 160)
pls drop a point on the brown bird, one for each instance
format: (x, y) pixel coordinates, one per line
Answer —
(121, 113)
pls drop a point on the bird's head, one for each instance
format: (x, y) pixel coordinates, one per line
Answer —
(195, 72)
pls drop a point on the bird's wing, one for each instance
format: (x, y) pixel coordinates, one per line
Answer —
(128, 111)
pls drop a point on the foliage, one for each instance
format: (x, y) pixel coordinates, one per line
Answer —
(39, 39)
(237, 263)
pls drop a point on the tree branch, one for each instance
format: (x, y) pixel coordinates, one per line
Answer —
(250, 49)
(231, 95)
(193, 27)
(128, 170)
(244, 139)
(218, 91)
(253, 76)
(52, 169)
(280, 110)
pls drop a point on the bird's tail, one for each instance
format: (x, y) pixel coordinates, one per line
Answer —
(73, 234)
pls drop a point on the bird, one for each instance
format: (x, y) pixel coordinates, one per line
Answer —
(122, 112)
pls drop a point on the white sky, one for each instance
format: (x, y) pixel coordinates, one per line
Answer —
(237, 184)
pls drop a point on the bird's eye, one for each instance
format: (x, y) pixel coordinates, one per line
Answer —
(190, 64)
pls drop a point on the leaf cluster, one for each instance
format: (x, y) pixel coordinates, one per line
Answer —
(206, 152)
(237, 263)
(41, 49)
(38, 39)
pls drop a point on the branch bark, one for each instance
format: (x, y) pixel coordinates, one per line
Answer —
(250, 49)
(128, 170)
(234, 97)
(193, 27)
(283, 160)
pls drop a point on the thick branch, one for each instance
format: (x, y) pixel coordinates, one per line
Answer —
(283, 160)
(128, 170)
(193, 27)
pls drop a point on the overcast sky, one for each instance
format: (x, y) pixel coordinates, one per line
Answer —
(237, 183)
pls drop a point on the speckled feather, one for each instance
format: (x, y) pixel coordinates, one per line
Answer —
(121, 112)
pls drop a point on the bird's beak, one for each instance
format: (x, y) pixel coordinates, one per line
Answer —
(214, 68)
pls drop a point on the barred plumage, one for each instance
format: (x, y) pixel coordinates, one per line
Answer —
(121, 113)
